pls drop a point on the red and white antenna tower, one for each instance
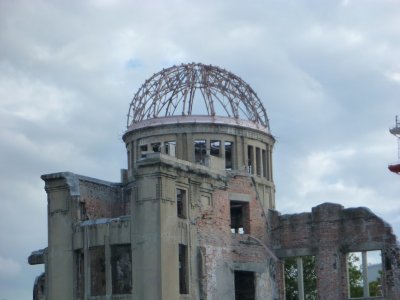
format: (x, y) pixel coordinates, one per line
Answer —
(395, 167)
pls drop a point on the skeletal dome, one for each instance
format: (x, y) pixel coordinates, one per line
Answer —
(196, 89)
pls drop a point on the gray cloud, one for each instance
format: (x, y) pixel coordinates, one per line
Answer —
(328, 73)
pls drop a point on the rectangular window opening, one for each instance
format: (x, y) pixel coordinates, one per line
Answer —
(300, 278)
(239, 217)
(364, 274)
(82, 211)
(97, 271)
(121, 269)
(183, 270)
(215, 148)
(156, 147)
(80, 275)
(245, 287)
(181, 203)
(143, 151)
(250, 159)
(228, 155)
(200, 151)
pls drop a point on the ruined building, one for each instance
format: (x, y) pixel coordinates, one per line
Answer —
(194, 214)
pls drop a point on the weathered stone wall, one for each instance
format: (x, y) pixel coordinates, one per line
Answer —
(330, 232)
(102, 199)
(222, 252)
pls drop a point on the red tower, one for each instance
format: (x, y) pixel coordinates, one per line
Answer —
(395, 167)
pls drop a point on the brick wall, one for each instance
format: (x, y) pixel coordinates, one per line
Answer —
(330, 232)
(220, 248)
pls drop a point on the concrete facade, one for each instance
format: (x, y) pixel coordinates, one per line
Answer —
(194, 218)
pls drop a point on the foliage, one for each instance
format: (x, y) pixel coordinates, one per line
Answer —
(375, 287)
(356, 280)
(291, 279)
(355, 276)
(309, 278)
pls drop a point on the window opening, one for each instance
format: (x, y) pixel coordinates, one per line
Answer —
(264, 160)
(80, 275)
(143, 151)
(200, 151)
(215, 148)
(121, 269)
(183, 270)
(170, 148)
(250, 159)
(364, 271)
(239, 216)
(300, 278)
(258, 161)
(82, 211)
(228, 155)
(97, 271)
(245, 288)
(181, 203)
(156, 147)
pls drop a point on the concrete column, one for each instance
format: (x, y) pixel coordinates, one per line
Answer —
(365, 273)
(107, 258)
(146, 252)
(242, 154)
(86, 264)
(178, 148)
(300, 279)
(154, 248)
(269, 163)
(133, 155)
(62, 195)
(222, 149)
(189, 147)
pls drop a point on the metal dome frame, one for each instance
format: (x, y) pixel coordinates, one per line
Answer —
(171, 92)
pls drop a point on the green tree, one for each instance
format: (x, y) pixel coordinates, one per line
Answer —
(291, 289)
(375, 287)
(355, 276)
(309, 278)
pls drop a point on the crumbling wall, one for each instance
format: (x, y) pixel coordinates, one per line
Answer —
(240, 184)
(221, 252)
(330, 232)
(39, 287)
(102, 200)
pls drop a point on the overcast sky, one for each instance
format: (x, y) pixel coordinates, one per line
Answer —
(328, 73)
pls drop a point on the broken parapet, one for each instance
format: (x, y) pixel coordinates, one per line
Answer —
(329, 233)
(37, 257)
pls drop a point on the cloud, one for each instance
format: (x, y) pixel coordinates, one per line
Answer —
(32, 100)
(9, 268)
(327, 73)
(393, 76)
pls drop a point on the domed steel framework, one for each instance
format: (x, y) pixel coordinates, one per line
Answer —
(172, 92)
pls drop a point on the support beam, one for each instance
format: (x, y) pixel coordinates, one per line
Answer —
(300, 279)
(365, 274)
